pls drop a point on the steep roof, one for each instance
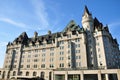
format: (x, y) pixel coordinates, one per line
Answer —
(86, 11)
(72, 26)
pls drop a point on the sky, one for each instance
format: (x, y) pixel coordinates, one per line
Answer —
(17, 16)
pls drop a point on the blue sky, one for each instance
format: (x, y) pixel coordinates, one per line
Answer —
(17, 16)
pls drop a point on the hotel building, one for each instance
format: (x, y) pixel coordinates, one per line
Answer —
(76, 53)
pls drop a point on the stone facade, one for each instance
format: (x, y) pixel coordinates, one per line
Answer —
(86, 48)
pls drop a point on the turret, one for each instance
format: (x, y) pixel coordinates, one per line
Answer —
(87, 20)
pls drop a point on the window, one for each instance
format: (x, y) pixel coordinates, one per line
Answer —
(61, 58)
(28, 60)
(51, 49)
(43, 50)
(51, 59)
(35, 60)
(61, 53)
(99, 56)
(61, 64)
(14, 66)
(68, 57)
(43, 59)
(42, 75)
(35, 66)
(68, 51)
(29, 56)
(51, 66)
(21, 66)
(98, 49)
(20, 73)
(28, 66)
(14, 73)
(78, 57)
(36, 55)
(69, 46)
(34, 73)
(69, 36)
(77, 51)
(51, 54)
(61, 47)
(43, 66)
(27, 73)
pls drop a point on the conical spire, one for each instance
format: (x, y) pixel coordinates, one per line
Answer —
(86, 11)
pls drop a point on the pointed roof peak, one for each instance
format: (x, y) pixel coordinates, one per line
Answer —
(86, 11)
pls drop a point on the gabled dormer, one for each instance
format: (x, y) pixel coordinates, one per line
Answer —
(72, 26)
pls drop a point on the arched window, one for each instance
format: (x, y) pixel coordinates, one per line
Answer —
(0, 72)
(20, 73)
(14, 73)
(8, 75)
(3, 75)
(34, 73)
(50, 75)
(42, 74)
(27, 73)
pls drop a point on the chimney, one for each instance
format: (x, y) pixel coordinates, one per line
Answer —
(35, 34)
(49, 32)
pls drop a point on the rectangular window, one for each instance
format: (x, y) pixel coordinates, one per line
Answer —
(51, 59)
(35, 66)
(61, 58)
(43, 59)
(61, 47)
(51, 49)
(29, 56)
(51, 54)
(28, 60)
(51, 66)
(36, 55)
(61, 65)
(43, 66)
(43, 50)
(21, 66)
(35, 60)
(98, 49)
(28, 66)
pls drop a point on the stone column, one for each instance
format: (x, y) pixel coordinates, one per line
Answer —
(52, 76)
(118, 74)
(66, 75)
(99, 75)
(106, 77)
(82, 76)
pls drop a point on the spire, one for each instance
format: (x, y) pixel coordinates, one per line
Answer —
(86, 11)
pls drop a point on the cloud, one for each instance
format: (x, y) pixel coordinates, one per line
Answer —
(10, 21)
(3, 44)
(114, 24)
(40, 11)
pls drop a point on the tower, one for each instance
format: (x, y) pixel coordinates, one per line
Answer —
(88, 26)
(87, 20)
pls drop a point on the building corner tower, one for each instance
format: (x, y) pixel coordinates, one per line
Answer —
(88, 26)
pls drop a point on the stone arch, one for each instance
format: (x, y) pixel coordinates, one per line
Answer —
(0, 72)
(3, 75)
(34, 73)
(20, 73)
(8, 75)
(27, 73)
(42, 74)
(50, 75)
(14, 73)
